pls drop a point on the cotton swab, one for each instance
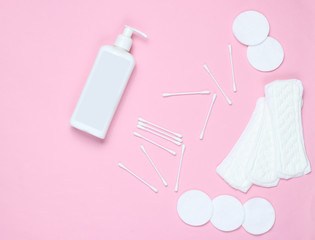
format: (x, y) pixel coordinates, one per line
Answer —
(226, 97)
(154, 143)
(174, 133)
(185, 93)
(204, 127)
(145, 152)
(159, 135)
(232, 67)
(157, 130)
(179, 168)
(123, 167)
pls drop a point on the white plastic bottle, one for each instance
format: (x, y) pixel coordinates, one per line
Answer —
(105, 86)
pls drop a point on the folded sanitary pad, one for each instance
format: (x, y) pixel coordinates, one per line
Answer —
(272, 144)
(284, 99)
(233, 167)
(261, 168)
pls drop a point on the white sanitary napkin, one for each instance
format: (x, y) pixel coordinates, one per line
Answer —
(272, 144)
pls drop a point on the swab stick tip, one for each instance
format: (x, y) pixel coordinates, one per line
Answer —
(223, 93)
(164, 182)
(140, 179)
(179, 168)
(206, 122)
(232, 68)
(186, 93)
(157, 134)
(153, 165)
(154, 143)
(159, 131)
(164, 129)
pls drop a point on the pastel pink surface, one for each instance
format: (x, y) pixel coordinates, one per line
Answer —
(58, 183)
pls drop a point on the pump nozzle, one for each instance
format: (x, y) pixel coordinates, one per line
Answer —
(124, 40)
(129, 31)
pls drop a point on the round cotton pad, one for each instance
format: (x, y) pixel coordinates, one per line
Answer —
(228, 213)
(194, 207)
(266, 56)
(251, 28)
(259, 216)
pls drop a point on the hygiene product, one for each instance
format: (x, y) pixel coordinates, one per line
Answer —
(284, 99)
(105, 86)
(272, 145)
(263, 53)
(178, 143)
(179, 168)
(153, 165)
(232, 67)
(233, 168)
(228, 213)
(154, 143)
(225, 212)
(251, 28)
(260, 216)
(185, 93)
(140, 179)
(208, 115)
(162, 128)
(194, 208)
(216, 82)
(266, 56)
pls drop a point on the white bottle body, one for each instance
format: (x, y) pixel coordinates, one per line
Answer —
(103, 91)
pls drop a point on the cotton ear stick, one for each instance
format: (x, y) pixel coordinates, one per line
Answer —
(164, 129)
(185, 93)
(123, 167)
(154, 143)
(226, 97)
(159, 135)
(204, 127)
(232, 67)
(179, 168)
(157, 130)
(145, 152)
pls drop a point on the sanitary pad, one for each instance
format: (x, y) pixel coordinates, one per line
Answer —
(234, 166)
(284, 99)
(272, 145)
(261, 168)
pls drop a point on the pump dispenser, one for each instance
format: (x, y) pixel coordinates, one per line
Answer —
(105, 85)
(124, 40)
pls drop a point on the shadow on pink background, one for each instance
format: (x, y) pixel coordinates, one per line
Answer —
(59, 183)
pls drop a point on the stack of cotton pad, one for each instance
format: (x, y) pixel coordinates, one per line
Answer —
(225, 212)
(264, 53)
(272, 144)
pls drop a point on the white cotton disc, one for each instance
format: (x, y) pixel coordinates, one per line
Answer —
(266, 56)
(228, 213)
(194, 207)
(259, 216)
(251, 28)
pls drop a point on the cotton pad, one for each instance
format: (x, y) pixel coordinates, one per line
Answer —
(228, 213)
(284, 99)
(259, 216)
(266, 56)
(194, 207)
(233, 169)
(251, 28)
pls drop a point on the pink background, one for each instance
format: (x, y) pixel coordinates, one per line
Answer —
(59, 183)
